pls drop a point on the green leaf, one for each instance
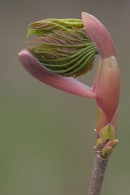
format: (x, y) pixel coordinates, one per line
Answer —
(64, 47)
(48, 25)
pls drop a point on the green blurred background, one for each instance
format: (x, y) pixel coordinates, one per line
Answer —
(46, 135)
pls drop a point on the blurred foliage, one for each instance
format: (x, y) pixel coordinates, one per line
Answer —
(29, 145)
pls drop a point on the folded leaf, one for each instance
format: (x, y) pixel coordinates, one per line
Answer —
(48, 25)
(63, 49)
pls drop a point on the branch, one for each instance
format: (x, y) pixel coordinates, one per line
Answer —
(98, 173)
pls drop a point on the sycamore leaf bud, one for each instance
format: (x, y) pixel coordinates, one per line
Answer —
(63, 46)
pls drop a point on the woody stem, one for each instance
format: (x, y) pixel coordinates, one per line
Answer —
(98, 173)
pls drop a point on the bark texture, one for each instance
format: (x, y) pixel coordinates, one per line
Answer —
(99, 168)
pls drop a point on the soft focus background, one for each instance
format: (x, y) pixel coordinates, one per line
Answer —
(46, 135)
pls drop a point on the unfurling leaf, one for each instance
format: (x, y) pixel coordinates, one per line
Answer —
(45, 26)
(63, 46)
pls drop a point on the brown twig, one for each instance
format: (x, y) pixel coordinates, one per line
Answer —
(98, 173)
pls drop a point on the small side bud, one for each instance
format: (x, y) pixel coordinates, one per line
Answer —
(108, 149)
(112, 143)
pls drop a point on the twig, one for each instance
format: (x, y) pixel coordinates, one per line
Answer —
(98, 173)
